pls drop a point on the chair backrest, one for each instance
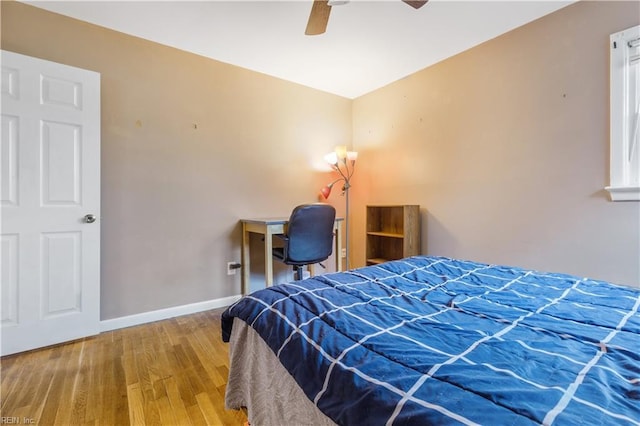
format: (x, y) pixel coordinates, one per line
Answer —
(310, 233)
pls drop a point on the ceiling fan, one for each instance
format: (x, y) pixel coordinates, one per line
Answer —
(321, 9)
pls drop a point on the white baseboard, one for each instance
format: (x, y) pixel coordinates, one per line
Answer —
(161, 314)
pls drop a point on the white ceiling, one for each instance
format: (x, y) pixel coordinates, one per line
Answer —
(368, 44)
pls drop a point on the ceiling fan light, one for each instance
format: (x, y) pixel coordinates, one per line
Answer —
(337, 2)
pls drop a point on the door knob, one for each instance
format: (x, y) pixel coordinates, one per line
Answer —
(90, 218)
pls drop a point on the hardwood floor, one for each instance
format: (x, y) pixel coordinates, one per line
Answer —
(170, 372)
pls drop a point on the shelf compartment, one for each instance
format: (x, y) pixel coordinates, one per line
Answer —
(384, 248)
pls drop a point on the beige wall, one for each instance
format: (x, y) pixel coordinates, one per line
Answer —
(505, 147)
(172, 195)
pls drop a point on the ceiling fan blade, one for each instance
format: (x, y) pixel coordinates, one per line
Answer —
(415, 4)
(318, 18)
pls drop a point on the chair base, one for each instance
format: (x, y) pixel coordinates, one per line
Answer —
(298, 272)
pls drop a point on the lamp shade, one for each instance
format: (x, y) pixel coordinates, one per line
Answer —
(331, 158)
(326, 191)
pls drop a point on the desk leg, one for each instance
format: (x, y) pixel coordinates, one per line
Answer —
(268, 258)
(246, 266)
(338, 246)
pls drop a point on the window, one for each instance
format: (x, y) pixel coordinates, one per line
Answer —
(625, 115)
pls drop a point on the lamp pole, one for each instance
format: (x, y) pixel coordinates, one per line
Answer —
(346, 223)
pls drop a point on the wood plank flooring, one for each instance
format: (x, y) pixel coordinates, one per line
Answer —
(170, 372)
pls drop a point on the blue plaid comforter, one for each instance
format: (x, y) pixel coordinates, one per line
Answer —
(433, 340)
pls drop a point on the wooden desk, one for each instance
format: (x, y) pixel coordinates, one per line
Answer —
(269, 227)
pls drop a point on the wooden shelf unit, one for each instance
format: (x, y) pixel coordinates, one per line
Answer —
(393, 232)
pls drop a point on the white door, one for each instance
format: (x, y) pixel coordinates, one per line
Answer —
(50, 171)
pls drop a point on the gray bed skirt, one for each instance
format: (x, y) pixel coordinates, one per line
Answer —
(260, 383)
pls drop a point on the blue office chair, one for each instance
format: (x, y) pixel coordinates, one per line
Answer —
(308, 238)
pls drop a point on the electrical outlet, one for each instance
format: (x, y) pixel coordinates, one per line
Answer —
(230, 268)
(344, 253)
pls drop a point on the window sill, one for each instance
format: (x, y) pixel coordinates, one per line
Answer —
(624, 193)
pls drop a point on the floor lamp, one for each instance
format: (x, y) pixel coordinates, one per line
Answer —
(343, 162)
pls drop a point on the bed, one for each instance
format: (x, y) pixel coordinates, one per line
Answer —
(434, 340)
